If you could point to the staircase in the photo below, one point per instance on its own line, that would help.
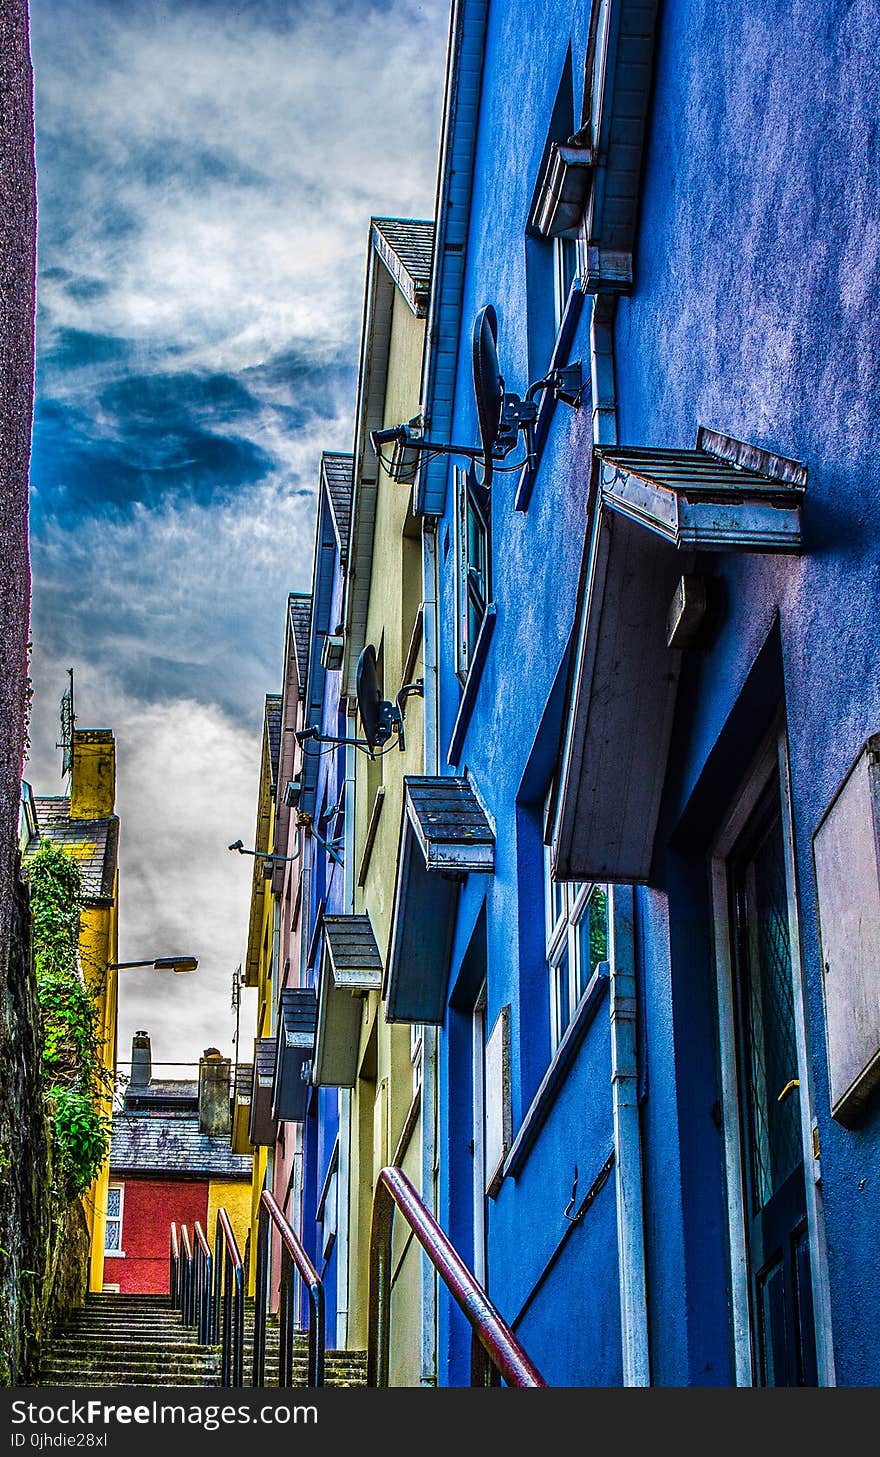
(127, 1340)
(139, 1340)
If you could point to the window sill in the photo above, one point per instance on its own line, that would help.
(114, 1254)
(548, 403)
(555, 1075)
(469, 696)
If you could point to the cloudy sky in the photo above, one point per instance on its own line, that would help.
(206, 174)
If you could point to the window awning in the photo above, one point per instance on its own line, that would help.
(561, 195)
(294, 1052)
(444, 836)
(261, 1125)
(649, 510)
(351, 966)
(241, 1108)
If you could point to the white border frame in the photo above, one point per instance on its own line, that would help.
(118, 1254)
(772, 759)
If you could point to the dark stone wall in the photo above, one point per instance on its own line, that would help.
(24, 1214)
(25, 1219)
(44, 1246)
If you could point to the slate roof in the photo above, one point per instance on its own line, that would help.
(300, 608)
(406, 247)
(159, 1092)
(172, 1145)
(273, 730)
(94, 843)
(339, 470)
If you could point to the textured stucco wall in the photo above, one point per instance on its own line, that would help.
(754, 311)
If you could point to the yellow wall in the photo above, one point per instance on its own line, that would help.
(233, 1195)
(384, 1093)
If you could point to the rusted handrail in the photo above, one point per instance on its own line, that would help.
(495, 1350)
(293, 1258)
(202, 1301)
(174, 1269)
(187, 1281)
(228, 1291)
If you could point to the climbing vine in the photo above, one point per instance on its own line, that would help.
(75, 1076)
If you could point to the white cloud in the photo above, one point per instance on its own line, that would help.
(205, 183)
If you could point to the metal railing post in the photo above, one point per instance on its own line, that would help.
(174, 1269)
(495, 1351)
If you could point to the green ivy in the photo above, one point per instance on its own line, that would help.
(75, 1076)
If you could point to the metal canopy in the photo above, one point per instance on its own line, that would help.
(241, 1108)
(261, 1124)
(351, 966)
(444, 836)
(558, 209)
(696, 499)
(294, 1052)
(648, 508)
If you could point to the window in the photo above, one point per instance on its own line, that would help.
(566, 268)
(577, 940)
(416, 1044)
(474, 541)
(113, 1226)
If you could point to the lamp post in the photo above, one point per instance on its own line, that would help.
(160, 963)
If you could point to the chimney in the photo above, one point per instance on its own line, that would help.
(93, 775)
(141, 1061)
(215, 1117)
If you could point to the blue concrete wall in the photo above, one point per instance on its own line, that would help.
(571, 1325)
(755, 312)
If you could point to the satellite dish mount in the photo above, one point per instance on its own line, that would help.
(502, 416)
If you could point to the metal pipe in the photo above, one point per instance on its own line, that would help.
(228, 1295)
(428, 1109)
(174, 1269)
(492, 1333)
(298, 1259)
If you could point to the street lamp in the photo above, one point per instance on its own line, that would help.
(161, 963)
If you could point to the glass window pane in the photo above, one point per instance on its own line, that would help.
(114, 1200)
(592, 932)
(111, 1235)
(563, 999)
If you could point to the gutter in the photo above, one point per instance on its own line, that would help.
(628, 1167)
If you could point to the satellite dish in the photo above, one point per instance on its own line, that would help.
(488, 384)
(371, 705)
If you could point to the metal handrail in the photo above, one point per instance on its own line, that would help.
(495, 1350)
(228, 1292)
(174, 1269)
(187, 1281)
(294, 1260)
(203, 1303)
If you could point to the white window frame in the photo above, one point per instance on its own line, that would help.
(109, 1219)
(566, 904)
(771, 761)
(567, 265)
(468, 575)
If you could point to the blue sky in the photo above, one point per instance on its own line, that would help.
(206, 175)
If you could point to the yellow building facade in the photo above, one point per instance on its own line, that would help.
(384, 608)
(86, 825)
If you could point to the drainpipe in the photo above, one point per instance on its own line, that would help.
(428, 1361)
(343, 1172)
(621, 919)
